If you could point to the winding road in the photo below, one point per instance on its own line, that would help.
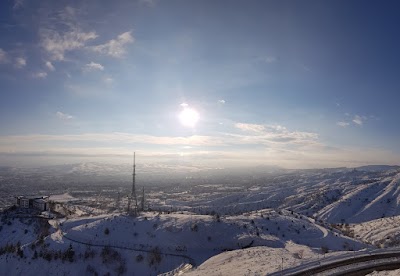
(360, 263)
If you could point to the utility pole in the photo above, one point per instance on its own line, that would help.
(142, 203)
(133, 194)
(129, 205)
(117, 204)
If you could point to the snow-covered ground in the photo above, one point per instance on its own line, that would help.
(383, 232)
(184, 238)
(385, 273)
(258, 260)
(366, 202)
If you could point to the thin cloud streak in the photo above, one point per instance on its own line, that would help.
(39, 75)
(64, 116)
(343, 124)
(93, 66)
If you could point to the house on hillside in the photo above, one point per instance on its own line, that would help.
(40, 203)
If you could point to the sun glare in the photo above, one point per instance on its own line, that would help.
(188, 116)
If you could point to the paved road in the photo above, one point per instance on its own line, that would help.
(363, 264)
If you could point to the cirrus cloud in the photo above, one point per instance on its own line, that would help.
(92, 66)
(20, 62)
(56, 44)
(343, 124)
(64, 116)
(114, 47)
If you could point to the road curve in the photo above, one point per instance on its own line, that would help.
(355, 265)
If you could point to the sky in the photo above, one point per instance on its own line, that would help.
(296, 84)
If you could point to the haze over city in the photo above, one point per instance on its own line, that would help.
(297, 84)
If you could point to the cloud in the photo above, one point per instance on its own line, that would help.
(20, 62)
(279, 147)
(343, 124)
(60, 32)
(267, 59)
(92, 66)
(149, 3)
(64, 116)
(108, 80)
(221, 101)
(3, 56)
(57, 44)
(272, 134)
(39, 75)
(18, 4)
(250, 127)
(359, 120)
(50, 66)
(114, 47)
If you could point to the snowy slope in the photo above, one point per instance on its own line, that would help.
(365, 202)
(383, 232)
(256, 260)
(201, 236)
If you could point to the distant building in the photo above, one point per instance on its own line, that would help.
(39, 203)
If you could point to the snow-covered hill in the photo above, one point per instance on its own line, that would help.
(382, 232)
(365, 202)
(178, 237)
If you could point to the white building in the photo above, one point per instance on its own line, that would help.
(38, 203)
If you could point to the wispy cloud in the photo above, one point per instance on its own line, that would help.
(305, 68)
(221, 101)
(57, 44)
(306, 154)
(250, 127)
(92, 66)
(50, 66)
(359, 120)
(56, 41)
(108, 80)
(20, 62)
(114, 47)
(39, 75)
(64, 116)
(267, 59)
(149, 3)
(3, 56)
(18, 4)
(254, 135)
(266, 134)
(343, 124)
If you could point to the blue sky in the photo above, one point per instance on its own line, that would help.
(299, 84)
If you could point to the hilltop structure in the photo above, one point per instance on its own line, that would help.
(40, 203)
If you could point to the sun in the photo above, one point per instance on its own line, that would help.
(188, 116)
